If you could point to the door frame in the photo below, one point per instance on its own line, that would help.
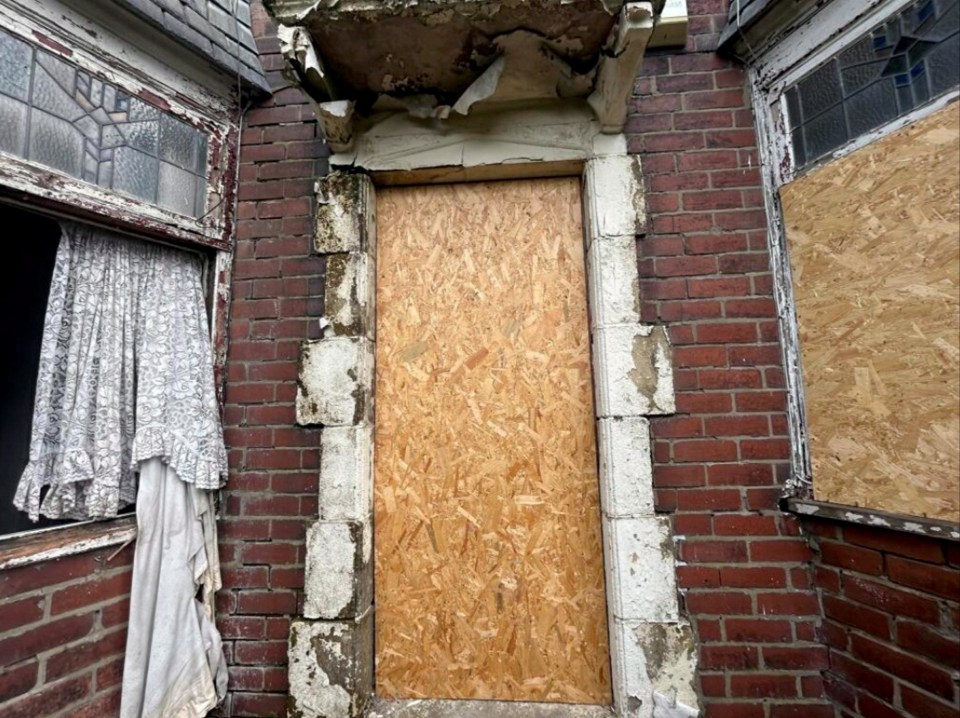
(652, 647)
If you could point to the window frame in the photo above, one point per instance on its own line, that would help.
(137, 72)
(820, 37)
(144, 62)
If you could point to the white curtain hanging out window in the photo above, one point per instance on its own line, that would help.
(126, 391)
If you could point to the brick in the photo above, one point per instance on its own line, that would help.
(918, 672)
(921, 705)
(17, 681)
(936, 580)
(719, 603)
(861, 675)
(729, 658)
(920, 548)
(944, 648)
(761, 686)
(700, 551)
(19, 614)
(892, 600)
(49, 699)
(851, 557)
(753, 576)
(802, 710)
(84, 655)
(795, 658)
(866, 619)
(756, 630)
(794, 603)
(46, 636)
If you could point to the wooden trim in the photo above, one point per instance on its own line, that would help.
(33, 547)
(872, 517)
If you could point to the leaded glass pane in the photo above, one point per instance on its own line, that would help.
(889, 72)
(15, 59)
(60, 116)
(13, 126)
(55, 143)
(178, 190)
(135, 173)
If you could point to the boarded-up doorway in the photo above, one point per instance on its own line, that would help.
(489, 564)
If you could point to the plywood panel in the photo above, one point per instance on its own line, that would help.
(489, 566)
(874, 244)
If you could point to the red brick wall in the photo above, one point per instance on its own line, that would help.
(892, 621)
(720, 461)
(63, 629)
(271, 496)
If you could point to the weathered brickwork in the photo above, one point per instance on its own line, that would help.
(720, 461)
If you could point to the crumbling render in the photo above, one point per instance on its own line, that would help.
(519, 64)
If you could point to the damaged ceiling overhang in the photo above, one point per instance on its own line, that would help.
(433, 58)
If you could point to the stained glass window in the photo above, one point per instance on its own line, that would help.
(910, 59)
(57, 115)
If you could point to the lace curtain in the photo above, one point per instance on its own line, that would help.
(126, 374)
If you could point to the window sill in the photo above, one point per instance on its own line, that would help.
(872, 517)
(52, 543)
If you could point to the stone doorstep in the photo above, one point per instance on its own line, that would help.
(383, 708)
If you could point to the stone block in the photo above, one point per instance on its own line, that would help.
(640, 568)
(614, 197)
(346, 473)
(346, 214)
(335, 386)
(331, 667)
(613, 281)
(654, 669)
(339, 569)
(350, 294)
(626, 467)
(634, 371)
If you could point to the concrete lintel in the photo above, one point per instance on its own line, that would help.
(633, 371)
(335, 386)
(626, 467)
(338, 583)
(331, 667)
(346, 473)
(346, 214)
(613, 281)
(350, 294)
(614, 203)
(618, 71)
(640, 568)
(560, 132)
(654, 669)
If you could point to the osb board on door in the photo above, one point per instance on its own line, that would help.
(874, 241)
(489, 563)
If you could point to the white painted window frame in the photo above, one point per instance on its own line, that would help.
(61, 30)
(96, 37)
(835, 27)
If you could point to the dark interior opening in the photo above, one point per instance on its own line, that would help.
(30, 249)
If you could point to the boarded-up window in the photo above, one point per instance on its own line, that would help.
(874, 244)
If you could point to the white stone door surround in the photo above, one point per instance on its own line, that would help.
(653, 652)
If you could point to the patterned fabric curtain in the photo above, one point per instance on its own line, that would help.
(126, 374)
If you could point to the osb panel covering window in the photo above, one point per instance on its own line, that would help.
(489, 566)
(874, 241)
